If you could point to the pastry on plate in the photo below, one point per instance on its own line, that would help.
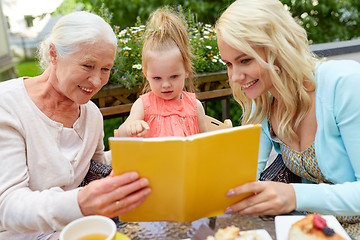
(312, 227)
(228, 233)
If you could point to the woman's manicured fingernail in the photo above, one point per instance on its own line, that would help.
(228, 211)
(134, 176)
(144, 182)
(230, 193)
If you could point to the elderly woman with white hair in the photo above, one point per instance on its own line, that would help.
(50, 130)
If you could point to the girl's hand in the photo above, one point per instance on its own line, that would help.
(270, 198)
(113, 195)
(137, 128)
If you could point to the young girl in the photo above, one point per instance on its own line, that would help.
(166, 109)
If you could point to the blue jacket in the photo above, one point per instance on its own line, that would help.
(337, 142)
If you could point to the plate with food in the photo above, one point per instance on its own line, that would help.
(311, 226)
(234, 233)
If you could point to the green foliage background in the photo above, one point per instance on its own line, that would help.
(324, 20)
(327, 20)
(29, 68)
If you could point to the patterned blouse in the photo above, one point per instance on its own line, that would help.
(304, 164)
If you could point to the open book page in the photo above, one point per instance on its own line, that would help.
(157, 163)
(189, 176)
(223, 161)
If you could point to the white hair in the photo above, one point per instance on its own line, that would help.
(72, 31)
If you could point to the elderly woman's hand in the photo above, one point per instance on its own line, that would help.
(269, 198)
(113, 195)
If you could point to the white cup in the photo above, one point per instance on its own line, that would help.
(86, 226)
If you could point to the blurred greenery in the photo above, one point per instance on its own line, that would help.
(325, 21)
(214, 110)
(109, 126)
(126, 12)
(29, 68)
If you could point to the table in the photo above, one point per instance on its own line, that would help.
(176, 231)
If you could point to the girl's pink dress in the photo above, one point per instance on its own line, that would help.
(170, 117)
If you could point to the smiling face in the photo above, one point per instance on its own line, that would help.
(166, 73)
(82, 74)
(245, 71)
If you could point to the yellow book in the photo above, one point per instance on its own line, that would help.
(189, 176)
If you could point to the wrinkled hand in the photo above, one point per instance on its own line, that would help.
(137, 128)
(269, 198)
(113, 195)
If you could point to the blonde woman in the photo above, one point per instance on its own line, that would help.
(309, 111)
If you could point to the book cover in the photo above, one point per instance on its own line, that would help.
(189, 176)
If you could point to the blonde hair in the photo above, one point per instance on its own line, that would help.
(165, 30)
(266, 23)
